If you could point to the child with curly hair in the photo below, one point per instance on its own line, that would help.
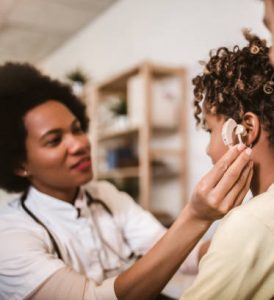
(238, 84)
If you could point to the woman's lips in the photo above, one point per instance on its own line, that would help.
(86, 164)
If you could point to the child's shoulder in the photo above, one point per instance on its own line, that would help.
(256, 213)
(261, 206)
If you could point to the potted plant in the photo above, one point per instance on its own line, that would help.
(78, 79)
(118, 108)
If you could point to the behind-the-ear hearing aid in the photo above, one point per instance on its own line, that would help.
(229, 127)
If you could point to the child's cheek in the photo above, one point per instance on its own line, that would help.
(219, 149)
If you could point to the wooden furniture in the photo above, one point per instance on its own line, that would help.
(141, 134)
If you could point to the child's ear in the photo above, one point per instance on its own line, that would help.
(252, 124)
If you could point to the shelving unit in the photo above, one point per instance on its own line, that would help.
(107, 135)
(142, 133)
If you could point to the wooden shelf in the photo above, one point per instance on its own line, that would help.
(160, 153)
(167, 175)
(142, 136)
(112, 134)
(117, 83)
(126, 172)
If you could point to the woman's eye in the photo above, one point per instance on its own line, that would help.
(53, 142)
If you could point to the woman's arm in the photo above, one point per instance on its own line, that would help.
(67, 284)
(223, 188)
(220, 190)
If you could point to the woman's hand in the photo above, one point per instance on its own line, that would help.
(220, 190)
(224, 186)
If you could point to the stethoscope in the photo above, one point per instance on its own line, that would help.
(104, 243)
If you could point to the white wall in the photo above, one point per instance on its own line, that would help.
(167, 31)
(171, 31)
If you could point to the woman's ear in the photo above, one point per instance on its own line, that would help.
(252, 124)
(22, 171)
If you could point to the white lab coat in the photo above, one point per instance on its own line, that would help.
(94, 243)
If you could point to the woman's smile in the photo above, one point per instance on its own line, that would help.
(83, 164)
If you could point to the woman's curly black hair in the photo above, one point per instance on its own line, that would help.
(238, 81)
(23, 87)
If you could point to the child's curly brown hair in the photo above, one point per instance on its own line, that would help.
(238, 81)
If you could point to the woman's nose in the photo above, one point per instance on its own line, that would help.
(77, 143)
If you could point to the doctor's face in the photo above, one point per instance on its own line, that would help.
(58, 151)
(213, 125)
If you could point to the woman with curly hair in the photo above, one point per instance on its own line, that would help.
(65, 239)
(239, 84)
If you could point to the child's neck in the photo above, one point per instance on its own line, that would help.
(263, 172)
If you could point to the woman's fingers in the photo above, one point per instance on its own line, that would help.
(232, 178)
(224, 186)
(217, 172)
(238, 190)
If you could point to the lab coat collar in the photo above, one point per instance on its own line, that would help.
(271, 188)
(48, 205)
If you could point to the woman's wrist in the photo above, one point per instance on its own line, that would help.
(190, 215)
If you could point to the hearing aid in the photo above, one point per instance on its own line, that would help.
(240, 131)
(229, 127)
